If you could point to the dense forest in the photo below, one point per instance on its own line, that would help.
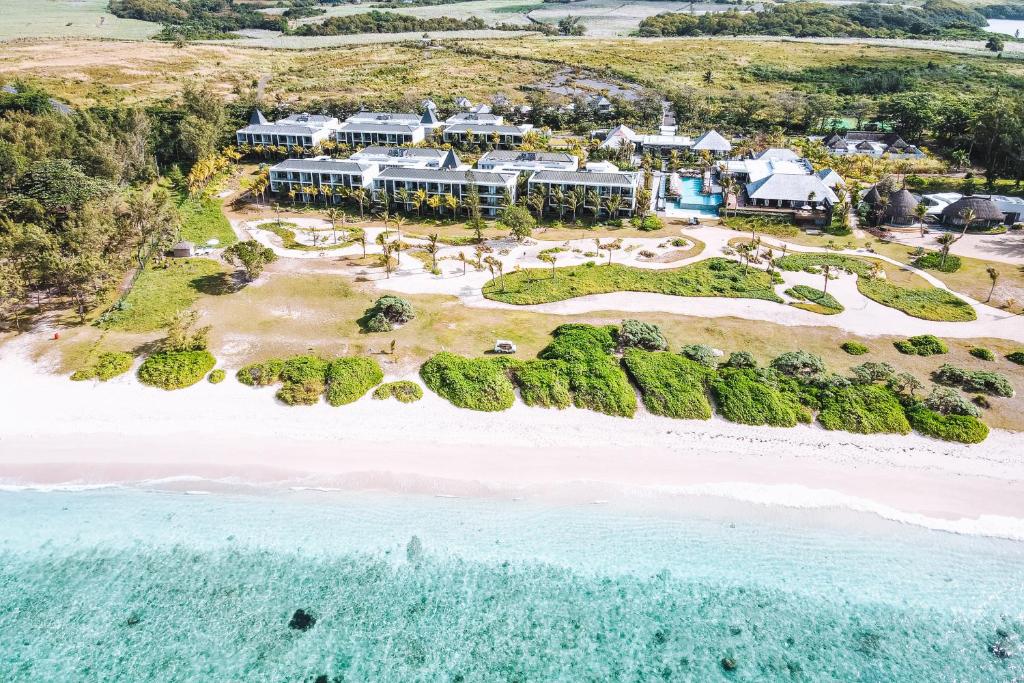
(196, 19)
(934, 19)
(386, 22)
(1002, 11)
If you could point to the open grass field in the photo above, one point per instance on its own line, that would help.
(68, 18)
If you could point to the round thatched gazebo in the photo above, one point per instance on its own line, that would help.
(872, 197)
(986, 213)
(900, 210)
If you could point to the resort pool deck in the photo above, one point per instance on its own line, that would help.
(692, 201)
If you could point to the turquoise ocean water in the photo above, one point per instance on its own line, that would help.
(134, 585)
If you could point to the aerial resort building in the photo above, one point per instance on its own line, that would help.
(297, 130)
(873, 144)
(409, 157)
(1011, 208)
(713, 143)
(413, 188)
(779, 180)
(498, 136)
(308, 180)
(980, 211)
(601, 189)
(513, 161)
(361, 134)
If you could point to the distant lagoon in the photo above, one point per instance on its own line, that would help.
(1007, 26)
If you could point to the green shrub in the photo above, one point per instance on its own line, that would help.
(402, 391)
(217, 376)
(959, 428)
(378, 323)
(820, 301)
(862, 409)
(1016, 357)
(641, 335)
(871, 372)
(922, 345)
(671, 385)
(974, 380)
(700, 353)
(799, 364)
(595, 379)
(350, 378)
(758, 397)
(740, 359)
(108, 365)
(387, 312)
(474, 383)
(933, 260)
(649, 223)
(854, 348)
(982, 353)
(175, 369)
(946, 401)
(542, 383)
(304, 380)
(261, 374)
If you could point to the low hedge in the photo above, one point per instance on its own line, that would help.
(474, 383)
(854, 348)
(982, 353)
(216, 377)
(862, 409)
(670, 384)
(1016, 357)
(107, 366)
(974, 380)
(175, 369)
(304, 380)
(348, 379)
(758, 397)
(542, 383)
(261, 374)
(594, 377)
(921, 345)
(959, 428)
(402, 391)
(933, 261)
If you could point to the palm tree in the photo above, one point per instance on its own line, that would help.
(399, 221)
(451, 203)
(432, 249)
(536, 202)
(827, 270)
(558, 198)
(613, 204)
(921, 210)
(572, 201)
(402, 195)
(549, 258)
(334, 215)
(434, 202)
(945, 240)
(968, 216)
(462, 257)
(993, 275)
(419, 198)
(593, 199)
(386, 257)
(361, 238)
(361, 198)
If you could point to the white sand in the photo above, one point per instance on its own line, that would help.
(54, 432)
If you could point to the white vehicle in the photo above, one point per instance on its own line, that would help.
(504, 346)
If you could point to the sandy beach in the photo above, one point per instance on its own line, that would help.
(56, 433)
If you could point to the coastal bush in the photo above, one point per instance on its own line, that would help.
(740, 359)
(304, 380)
(641, 335)
(387, 312)
(474, 383)
(350, 378)
(982, 353)
(670, 385)
(402, 391)
(261, 374)
(542, 383)
(217, 376)
(974, 380)
(862, 409)
(595, 379)
(948, 401)
(933, 260)
(818, 301)
(871, 372)
(758, 397)
(959, 428)
(108, 365)
(798, 364)
(922, 345)
(700, 353)
(175, 369)
(708, 278)
(854, 348)
(1016, 357)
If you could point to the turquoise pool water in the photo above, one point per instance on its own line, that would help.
(136, 585)
(692, 198)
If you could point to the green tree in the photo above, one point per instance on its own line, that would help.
(252, 256)
(518, 221)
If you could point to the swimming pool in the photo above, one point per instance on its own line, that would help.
(692, 197)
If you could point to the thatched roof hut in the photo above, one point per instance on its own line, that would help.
(900, 210)
(986, 213)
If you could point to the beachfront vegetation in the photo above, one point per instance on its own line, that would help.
(854, 348)
(202, 219)
(928, 303)
(815, 300)
(541, 383)
(474, 383)
(387, 313)
(862, 409)
(640, 335)
(922, 345)
(402, 391)
(758, 396)
(195, 19)
(700, 353)
(107, 365)
(981, 353)
(670, 384)
(799, 364)
(304, 379)
(974, 380)
(711, 277)
(217, 376)
(593, 375)
(175, 369)
(960, 428)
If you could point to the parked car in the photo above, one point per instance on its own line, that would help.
(504, 346)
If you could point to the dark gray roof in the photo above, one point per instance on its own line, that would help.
(516, 155)
(984, 209)
(279, 129)
(319, 165)
(450, 160)
(872, 196)
(403, 152)
(901, 204)
(624, 179)
(256, 118)
(376, 128)
(483, 129)
(430, 117)
(443, 176)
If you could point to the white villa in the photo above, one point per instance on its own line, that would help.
(780, 179)
(403, 184)
(598, 181)
(499, 135)
(409, 157)
(513, 161)
(666, 141)
(871, 144)
(306, 177)
(297, 130)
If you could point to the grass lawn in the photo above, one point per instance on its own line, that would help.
(927, 303)
(712, 277)
(161, 292)
(815, 300)
(202, 219)
(286, 231)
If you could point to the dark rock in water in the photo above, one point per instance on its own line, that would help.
(1000, 650)
(729, 664)
(134, 620)
(302, 620)
(322, 678)
(735, 630)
